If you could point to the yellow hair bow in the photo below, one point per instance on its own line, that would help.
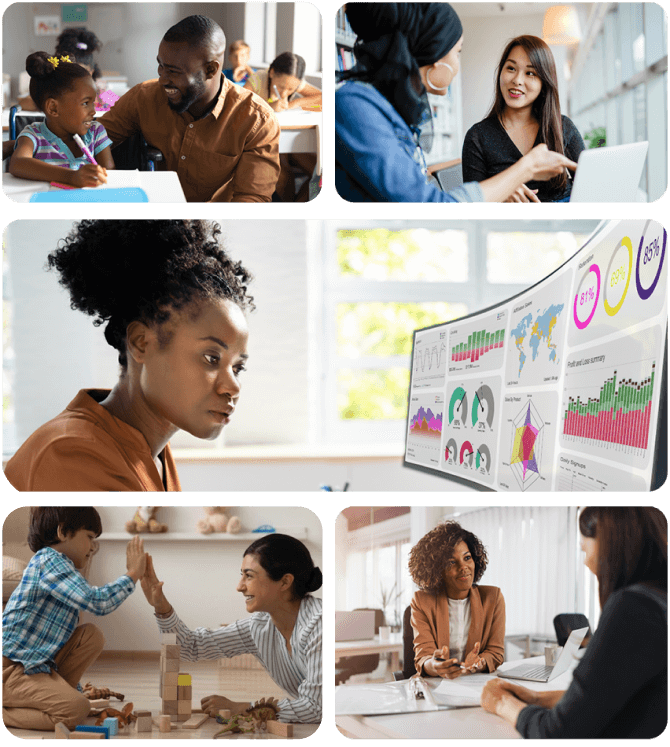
(55, 61)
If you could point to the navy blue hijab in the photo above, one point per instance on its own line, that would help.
(394, 40)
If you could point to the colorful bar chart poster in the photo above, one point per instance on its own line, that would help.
(478, 344)
(561, 386)
(425, 429)
(609, 399)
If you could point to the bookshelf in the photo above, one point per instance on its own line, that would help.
(344, 42)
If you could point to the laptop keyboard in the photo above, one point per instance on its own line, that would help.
(538, 672)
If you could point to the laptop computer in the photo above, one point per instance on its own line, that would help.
(542, 673)
(357, 625)
(610, 174)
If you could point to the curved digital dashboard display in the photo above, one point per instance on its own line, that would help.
(558, 388)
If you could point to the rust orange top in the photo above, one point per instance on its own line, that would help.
(85, 447)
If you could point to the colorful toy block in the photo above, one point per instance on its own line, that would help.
(94, 730)
(174, 687)
(112, 723)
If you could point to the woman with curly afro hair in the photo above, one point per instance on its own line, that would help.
(173, 304)
(459, 626)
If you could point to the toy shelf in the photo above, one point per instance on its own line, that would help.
(297, 532)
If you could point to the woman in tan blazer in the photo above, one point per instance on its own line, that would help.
(459, 626)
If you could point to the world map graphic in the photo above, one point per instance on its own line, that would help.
(533, 336)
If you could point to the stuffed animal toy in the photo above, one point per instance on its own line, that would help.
(217, 521)
(145, 521)
(126, 716)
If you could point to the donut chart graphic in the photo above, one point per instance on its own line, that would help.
(450, 451)
(458, 406)
(483, 459)
(586, 298)
(467, 454)
(618, 277)
(650, 252)
(483, 406)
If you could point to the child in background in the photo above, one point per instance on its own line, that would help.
(238, 56)
(47, 151)
(44, 652)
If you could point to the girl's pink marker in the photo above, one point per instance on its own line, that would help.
(84, 149)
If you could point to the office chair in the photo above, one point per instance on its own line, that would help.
(408, 668)
(350, 665)
(566, 622)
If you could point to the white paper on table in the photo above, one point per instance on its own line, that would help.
(464, 691)
(117, 179)
(378, 700)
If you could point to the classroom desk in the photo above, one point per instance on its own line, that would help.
(452, 723)
(300, 133)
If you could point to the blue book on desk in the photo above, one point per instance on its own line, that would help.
(102, 194)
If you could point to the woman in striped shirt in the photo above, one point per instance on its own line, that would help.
(283, 631)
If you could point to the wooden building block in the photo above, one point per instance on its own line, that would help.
(224, 713)
(62, 732)
(182, 717)
(143, 723)
(170, 679)
(196, 721)
(168, 639)
(142, 713)
(164, 724)
(169, 692)
(99, 703)
(171, 652)
(170, 707)
(184, 706)
(280, 729)
(184, 679)
(169, 665)
(184, 692)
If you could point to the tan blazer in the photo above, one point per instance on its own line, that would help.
(430, 621)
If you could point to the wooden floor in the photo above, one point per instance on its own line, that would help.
(138, 681)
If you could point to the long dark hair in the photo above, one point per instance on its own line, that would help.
(287, 63)
(546, 107)
(279, 554)
(632, 546)
(45, 521)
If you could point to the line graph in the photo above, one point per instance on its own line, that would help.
(430, 358)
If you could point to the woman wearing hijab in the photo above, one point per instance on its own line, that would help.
(383, 117)
(619, 689)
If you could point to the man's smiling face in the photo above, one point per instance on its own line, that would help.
(178, 71)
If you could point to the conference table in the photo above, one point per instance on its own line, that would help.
(393, 645)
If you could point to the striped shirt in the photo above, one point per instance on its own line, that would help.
(43, 611)
(298, 673)
(51, 149)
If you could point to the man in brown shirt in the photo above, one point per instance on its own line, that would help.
(222, 140)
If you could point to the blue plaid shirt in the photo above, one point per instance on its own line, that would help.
(43, 611)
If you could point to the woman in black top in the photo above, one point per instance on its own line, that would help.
(620, 687)
(525, 113)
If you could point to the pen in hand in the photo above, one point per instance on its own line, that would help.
(84, 149)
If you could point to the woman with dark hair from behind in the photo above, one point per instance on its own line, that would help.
(173, 304)
(620, 686)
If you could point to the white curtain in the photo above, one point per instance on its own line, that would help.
(534, 558)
